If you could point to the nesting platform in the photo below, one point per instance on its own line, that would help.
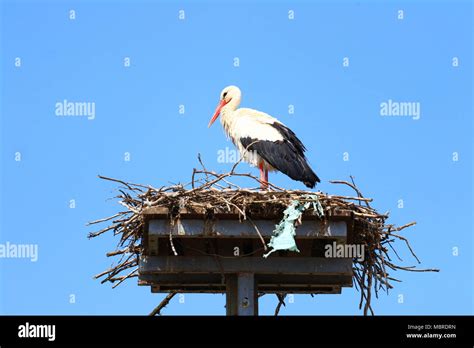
(221, 253)
(209, 236)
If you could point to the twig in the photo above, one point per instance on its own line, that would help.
(163, 304)
(281, 301)
(259, 234)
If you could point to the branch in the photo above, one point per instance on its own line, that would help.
(163, 304)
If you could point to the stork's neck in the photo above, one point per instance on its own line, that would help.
(229, 108)
(228, 115)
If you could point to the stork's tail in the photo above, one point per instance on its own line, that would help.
(309, 177)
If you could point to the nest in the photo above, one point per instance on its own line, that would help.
(219, 193)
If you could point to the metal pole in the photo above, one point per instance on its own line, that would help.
(241, 294)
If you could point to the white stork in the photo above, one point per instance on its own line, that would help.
(262, 140)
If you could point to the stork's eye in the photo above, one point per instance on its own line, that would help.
(223, 96)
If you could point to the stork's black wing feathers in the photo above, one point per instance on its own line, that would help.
(285, 155)
(289, 135)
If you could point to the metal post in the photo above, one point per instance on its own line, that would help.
(241, 294)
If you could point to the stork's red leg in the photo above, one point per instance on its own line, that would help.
(266, 178)
(263, 181)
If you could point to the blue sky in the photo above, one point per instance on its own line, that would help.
(425, 162)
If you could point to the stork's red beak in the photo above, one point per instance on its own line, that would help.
(222, 103)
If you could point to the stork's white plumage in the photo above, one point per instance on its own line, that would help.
(262, 140)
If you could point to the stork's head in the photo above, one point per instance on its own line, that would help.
(228, 95)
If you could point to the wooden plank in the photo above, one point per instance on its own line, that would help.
(257, 265)
(152, 245)
(263, 280)
(184, 288)
(231, 228)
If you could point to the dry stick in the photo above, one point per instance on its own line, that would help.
(369, 290)
(406, 242)
(222, 176)
(231, 184)
(129, 184)
(242, 156)
(129, 207)
(95, 234)
(194, 170)
(404, 226)
(121, 277)
(118, 252)
(355, 275)
(116, 270)
(217, 176)
(384, 271)
(362, 288)
(107, 218)
(192, 178)
(367, 215)
(352, 198)
(171, 242)
(235, 206)
(348, 184)
(259, 234)
(202, 164)
(103, 273)
(130, 261)
(412, 268)
(393, 249)
(125, 277)
(358, 192)
(370, 278)
(119, 181)
(163, 304)
(281, 301)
